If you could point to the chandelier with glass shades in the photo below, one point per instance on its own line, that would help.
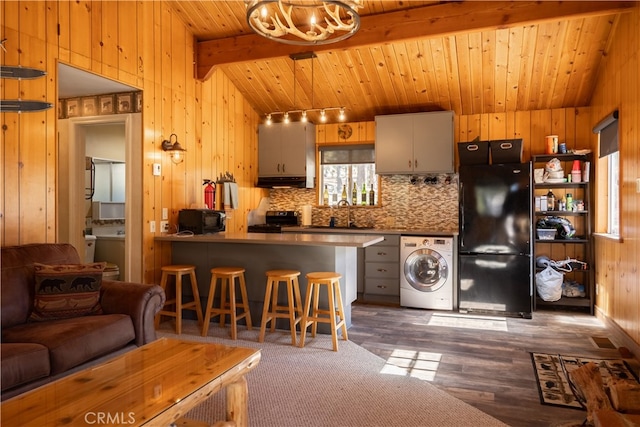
(301, 114)
(304, 22)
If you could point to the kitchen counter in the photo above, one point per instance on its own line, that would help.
(307, 239)
(259, 252)
(320, 229)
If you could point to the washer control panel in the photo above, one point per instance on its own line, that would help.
(444, 244)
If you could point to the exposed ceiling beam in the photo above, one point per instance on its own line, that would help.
(423, 22)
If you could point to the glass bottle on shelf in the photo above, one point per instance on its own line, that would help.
(344, 192)
(364, 195)
(372, 197)
(569, 202)
(551, 201)
(354, 195)
(325, 196)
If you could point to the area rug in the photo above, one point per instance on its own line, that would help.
(552, 376)
(315, 386)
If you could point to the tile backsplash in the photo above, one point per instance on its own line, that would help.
(421, 202)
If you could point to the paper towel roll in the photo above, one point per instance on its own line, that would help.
(306, 215)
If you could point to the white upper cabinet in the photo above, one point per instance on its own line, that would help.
(286, 150)
(415, 143)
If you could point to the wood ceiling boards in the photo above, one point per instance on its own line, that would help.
(470, 57)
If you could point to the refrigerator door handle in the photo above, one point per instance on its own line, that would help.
(461, 215)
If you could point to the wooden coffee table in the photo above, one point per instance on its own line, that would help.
(153, 385)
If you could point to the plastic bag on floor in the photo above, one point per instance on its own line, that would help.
(549, 284)
(573, 289)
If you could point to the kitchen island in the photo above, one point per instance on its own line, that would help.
(259, 252)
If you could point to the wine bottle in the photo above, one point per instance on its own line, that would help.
(372, 197)
(344, 192)
(364, 195)
(325, 196)
(551, 201)
(354, 195)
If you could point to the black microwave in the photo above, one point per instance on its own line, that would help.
(201, 221)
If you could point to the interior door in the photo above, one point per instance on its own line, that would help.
(71, 203)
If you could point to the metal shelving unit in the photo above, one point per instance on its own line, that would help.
(579, 247)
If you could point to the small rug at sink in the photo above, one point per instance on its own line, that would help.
(552, 376)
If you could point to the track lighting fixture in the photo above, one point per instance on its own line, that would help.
(303, 113)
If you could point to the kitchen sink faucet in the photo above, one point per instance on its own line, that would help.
(344, 202)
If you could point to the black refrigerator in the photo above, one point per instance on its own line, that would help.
(494, 246)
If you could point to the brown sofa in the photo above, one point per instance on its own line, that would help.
(33, 353)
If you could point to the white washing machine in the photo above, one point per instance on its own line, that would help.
(427, 272)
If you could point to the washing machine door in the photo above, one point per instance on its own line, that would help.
(426, 270)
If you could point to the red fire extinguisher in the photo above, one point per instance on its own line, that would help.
(209, 194)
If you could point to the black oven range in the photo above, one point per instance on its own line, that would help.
(275, 220)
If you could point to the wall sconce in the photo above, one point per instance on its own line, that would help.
(175, 150)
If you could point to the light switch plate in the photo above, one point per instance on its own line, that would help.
(164, 226)
(165, 213)
(637, 185)
(156, 169)
(152, 226)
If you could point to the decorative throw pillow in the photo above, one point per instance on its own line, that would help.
(67, 290)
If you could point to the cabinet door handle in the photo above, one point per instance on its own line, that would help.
(381, 287)
(415, 163)
(409, 162)
(283, 168)
(278, 167)
(382, 270)
(382, 253)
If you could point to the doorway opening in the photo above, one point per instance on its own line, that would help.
(121, 155)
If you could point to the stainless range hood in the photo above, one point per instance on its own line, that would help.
(284, 182)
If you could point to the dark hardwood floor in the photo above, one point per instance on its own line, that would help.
(485, 361)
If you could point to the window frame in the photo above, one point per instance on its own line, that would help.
(349, 178)
(613, 194)
(609, 150)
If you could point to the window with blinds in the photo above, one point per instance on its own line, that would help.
(607, 129)
(348, 172)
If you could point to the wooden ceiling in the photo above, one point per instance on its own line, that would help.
(471, 57)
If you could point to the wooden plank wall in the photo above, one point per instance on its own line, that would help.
(572, 125)
(28, 168)
(143, 44)
(217, 126)
(617, 261)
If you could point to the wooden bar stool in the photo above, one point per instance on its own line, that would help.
(272, 311)
(332, 281)
(227, 277)
(178, 271)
